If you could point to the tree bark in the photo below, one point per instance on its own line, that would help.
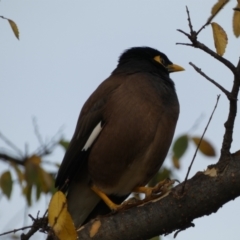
(203, 194)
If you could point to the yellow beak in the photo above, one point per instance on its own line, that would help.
(174, 68)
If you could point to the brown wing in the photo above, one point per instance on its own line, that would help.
(90, 116)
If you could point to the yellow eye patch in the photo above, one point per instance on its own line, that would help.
(159, 60)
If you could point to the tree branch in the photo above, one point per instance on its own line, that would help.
(10, 144)
(229, 124)
(38, 224)
(227, 93)
(204, 194)
(42, 151)
(8, 158)
(195, 43)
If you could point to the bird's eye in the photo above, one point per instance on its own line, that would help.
(160, 60)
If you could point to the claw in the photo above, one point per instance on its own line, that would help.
(153, 192)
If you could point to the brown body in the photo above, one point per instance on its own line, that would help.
(139, 132)
(138, 109)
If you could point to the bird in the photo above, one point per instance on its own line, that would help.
(122, 136)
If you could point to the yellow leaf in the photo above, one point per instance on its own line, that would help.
(32, 177)
(45, 180)
(220, 38)
(236, 22)
(32, 166)
(35, 159)
(175, 161)
(14, 28)
(59, 218)
(205, 147)
(218, 6)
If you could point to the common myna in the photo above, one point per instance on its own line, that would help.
(123, 134)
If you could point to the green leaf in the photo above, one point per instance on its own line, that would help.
(27, 191)
(64, 144)
(180, 146)
(38, 191)
(6, 183)
(205, 147)
(19, 173)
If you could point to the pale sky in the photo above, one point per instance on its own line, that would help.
(67, 48)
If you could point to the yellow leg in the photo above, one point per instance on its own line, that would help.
(105, 198)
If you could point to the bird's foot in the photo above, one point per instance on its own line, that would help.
(154, 192)
(162, 187)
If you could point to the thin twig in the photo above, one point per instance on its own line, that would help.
(189, 22)
(44, 215)
(10, 144)
(3, 17)
(47, 148)
(32, 218)
(8, 158)
(36, 130)
(186, 34)
(212, 16)
(228, 94)
(194, 156)
(186, 44)
(236, 9)
(41, 151)
(15, 230)
(196, 123)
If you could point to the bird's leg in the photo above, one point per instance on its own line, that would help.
(113, 206)
(105, 198)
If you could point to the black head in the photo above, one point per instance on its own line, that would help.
(150, 55)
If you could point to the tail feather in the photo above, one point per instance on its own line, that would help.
(81, 201)
(84, 204)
